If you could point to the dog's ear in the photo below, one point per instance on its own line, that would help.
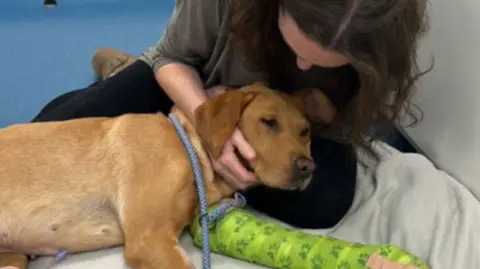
(217, 118)
(317, 105)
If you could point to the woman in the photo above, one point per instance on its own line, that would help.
(360, 52)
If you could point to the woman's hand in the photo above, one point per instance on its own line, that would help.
(215, 90)
(228, 165)
(379, 262)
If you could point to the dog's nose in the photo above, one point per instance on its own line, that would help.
(303, 167)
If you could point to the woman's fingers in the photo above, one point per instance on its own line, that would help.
(245, 149)
(227, 176)
(229, 166)
(231, 163)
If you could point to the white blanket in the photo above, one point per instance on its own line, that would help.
(403, 200)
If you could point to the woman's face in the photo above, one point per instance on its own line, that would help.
(308, 51)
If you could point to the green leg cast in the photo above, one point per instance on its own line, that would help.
(242, 235)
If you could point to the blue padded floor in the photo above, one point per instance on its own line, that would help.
(45, 52)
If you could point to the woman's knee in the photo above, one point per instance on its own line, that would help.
(327, 199)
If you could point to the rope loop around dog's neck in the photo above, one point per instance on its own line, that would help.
(217, 213)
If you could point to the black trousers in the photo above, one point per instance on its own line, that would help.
(134, 90)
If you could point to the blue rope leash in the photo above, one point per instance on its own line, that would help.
(214, 215)
(61, 255)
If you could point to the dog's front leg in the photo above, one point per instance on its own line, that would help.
(15, 260)
(153, 213)
(155, 249)
(151, 223)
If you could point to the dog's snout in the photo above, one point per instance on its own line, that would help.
(303, 167)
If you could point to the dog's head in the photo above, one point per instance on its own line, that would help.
(276, 126)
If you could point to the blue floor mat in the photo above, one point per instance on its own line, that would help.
(45, 52)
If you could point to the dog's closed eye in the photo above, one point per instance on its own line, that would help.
(271, 123)
(305, 132)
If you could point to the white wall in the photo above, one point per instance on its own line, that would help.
(450, 94)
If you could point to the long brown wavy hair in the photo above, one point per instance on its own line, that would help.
(378, 37)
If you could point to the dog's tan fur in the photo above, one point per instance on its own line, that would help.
(93, 183)
(16, 260)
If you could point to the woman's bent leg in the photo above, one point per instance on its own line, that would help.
(133, 90)
(328, 198)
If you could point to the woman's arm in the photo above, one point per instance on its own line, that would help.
(183, 85)
(184, 47)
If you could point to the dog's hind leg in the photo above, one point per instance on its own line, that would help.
(15, 260)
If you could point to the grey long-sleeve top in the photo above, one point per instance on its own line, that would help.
(197, 35)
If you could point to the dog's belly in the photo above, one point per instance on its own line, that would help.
(46, 230)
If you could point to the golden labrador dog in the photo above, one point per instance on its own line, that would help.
(94, 183)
